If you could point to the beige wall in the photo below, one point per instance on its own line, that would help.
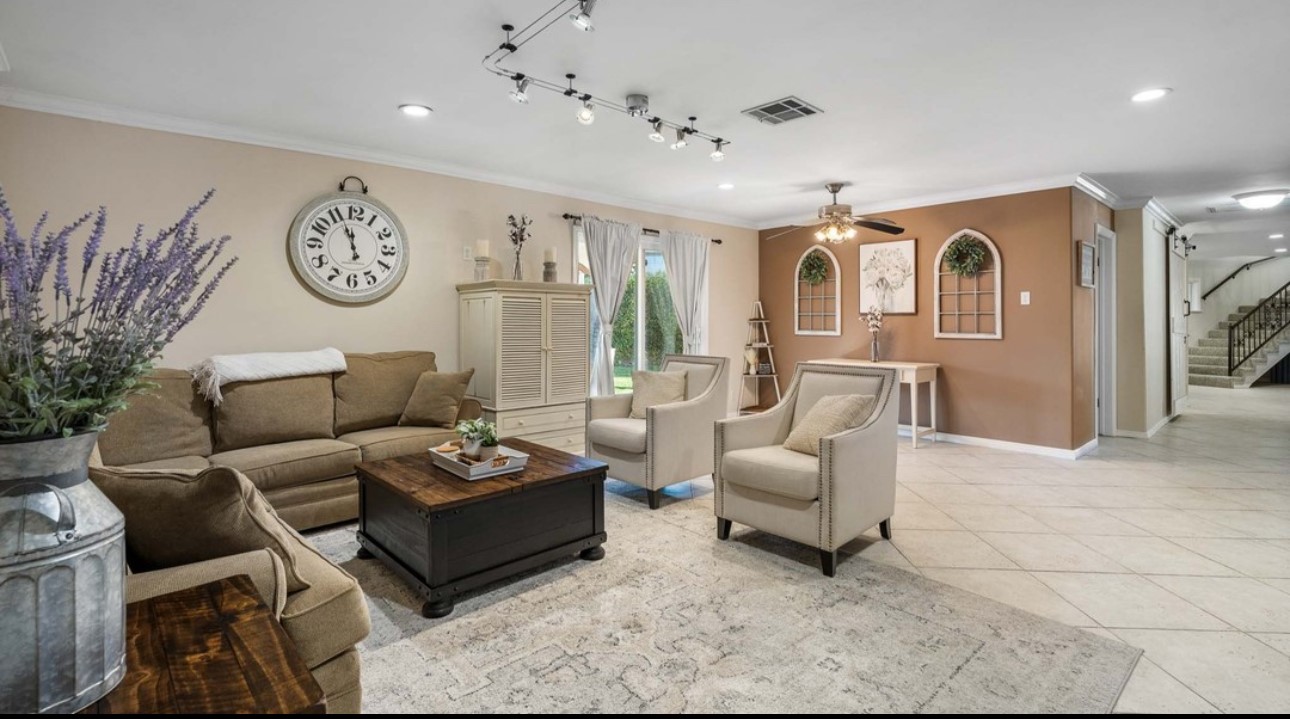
(1024, 388)
(1142, 324)
(69, 166)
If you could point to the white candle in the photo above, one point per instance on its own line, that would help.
(548, 255)
(481, 248)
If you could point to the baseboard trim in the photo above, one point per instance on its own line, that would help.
(1039, 449)
(1133, 434)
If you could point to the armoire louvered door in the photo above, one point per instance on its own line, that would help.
(521, 346)
(568, 364)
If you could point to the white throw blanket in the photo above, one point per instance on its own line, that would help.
(218, 370)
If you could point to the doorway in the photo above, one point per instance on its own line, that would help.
(1104, 341)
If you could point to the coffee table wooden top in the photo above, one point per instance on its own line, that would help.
(417, 477)
(211, 649)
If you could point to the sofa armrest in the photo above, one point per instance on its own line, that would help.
(262, 565)
(859, 473)
(610, 406)
(680, 436)
(753, 430)
(469, 409)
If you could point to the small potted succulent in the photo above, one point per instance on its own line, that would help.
(479, 439)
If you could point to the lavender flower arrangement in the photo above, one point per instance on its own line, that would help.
(65, 367)
(519, 234)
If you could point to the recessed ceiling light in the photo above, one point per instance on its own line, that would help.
(1262, 199)
(415, 110)
(1281, 249)
(726, 186)
(1277, 236)
(1152, 93)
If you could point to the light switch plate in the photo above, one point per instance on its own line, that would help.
(467, 253)
(1025, 298)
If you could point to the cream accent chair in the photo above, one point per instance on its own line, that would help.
(823, 501)
(673, 443)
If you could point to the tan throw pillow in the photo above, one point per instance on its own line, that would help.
(436, 399)
(650, 389)
(177, 517)
(830, 415)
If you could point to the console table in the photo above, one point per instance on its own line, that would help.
(912, 374)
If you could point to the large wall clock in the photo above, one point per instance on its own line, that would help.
(349, 247)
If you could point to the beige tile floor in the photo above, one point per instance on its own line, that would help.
(1179, 545)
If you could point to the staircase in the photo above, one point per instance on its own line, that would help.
(1266, 324)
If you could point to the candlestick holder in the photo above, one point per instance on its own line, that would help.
(548, 272)
(481, 269)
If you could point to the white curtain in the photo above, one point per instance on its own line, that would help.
(611, 251)
(686, 257)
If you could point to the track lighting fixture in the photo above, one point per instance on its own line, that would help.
(717, 153)
(521, 85)
(656, 134)
(581, 18)
(586, 114)
(680, 139)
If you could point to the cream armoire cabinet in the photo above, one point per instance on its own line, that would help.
(529, 344)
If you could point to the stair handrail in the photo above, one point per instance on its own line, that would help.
(1235, 272)
(1267, 320)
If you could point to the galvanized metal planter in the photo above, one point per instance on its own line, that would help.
(62, 579)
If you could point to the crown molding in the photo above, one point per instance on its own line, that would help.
(945, 198)
(118, 115)
(4, 61)
(1151, 206)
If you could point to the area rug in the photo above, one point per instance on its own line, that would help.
(672, 620)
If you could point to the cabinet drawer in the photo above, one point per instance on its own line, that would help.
(566, 417)
(573, 442)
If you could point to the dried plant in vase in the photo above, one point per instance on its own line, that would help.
(519, 234)
(874, 319)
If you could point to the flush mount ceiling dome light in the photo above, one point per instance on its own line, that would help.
(1151, 93)
(415, 110)
(1276, 236)
(1261, 199)
(636, 104)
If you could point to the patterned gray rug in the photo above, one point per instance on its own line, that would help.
(674, 621)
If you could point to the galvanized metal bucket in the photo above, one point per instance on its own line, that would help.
(62, 579)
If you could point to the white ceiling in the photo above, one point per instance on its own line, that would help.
(921, 99)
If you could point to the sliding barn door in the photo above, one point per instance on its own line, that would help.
(1178, 369)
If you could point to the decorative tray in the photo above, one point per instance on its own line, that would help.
(507, 461)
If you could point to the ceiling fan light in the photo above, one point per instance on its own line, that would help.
(1262, 199)
(656, 133)
(586, 114)
(819, 235)
(850, 233)
(582, 18)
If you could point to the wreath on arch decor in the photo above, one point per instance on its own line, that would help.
(814, 268)
(965, 255)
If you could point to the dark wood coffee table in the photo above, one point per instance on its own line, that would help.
(211, 649)
(446, 535)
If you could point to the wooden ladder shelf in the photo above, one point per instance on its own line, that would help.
(759, 355)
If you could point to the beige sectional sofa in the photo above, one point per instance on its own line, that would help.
(297, 439)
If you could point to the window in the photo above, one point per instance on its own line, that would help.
(647, 329)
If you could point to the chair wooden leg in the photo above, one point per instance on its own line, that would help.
(723, 528)
(885, 528)
(829, 562)
(654, 497)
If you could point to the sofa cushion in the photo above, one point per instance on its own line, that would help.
(318, 504)
(180, 517)
(374, 389)
(623, 433)
(650, 389)
(775, 470)
(828, 416)
(330, 616)
(290, 463)
(274, 410)
(436, 399)
(170, 420)
(188, 462)
(385, 442)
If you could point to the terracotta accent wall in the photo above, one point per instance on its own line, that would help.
(69, 166)
(1024, 388)
(1086, 214)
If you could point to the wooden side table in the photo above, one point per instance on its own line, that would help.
(211, 649)
(909, 373)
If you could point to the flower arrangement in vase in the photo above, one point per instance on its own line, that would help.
(479, 438)
(874, 319)
(519, 234)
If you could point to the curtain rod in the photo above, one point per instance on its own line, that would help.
(646, 230)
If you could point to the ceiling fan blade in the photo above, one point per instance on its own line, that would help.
(878, 224)
(794, 228)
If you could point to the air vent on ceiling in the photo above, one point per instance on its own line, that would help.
(781, 111)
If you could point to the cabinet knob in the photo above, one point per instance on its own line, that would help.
(520, 422)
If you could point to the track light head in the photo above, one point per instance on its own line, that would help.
(587, 113)
(718, 154)
(680, 139)
(581, 18)
(519, 94)
(656, 134)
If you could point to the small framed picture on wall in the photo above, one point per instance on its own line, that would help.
(889, 277)
(1087, 264)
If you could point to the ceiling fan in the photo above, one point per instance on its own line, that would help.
(837, 224)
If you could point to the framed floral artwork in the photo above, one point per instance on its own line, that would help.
(889, 277)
